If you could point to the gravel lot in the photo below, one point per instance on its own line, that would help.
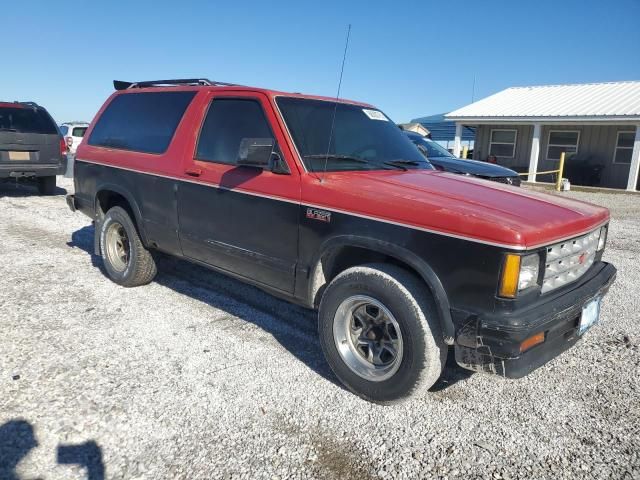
(199, 376)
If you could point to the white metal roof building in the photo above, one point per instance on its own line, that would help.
(596, 124)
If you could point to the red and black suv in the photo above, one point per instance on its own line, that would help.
(328, 204)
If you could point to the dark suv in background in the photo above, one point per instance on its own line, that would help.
(31, 145)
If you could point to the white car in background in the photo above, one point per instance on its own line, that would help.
(73, 133)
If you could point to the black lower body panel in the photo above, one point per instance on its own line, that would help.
(492, 342)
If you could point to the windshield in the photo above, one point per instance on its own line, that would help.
(362, 138)
(432, 148)
(26, 120)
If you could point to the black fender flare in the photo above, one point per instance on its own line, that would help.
(137, 213)
(393, 250)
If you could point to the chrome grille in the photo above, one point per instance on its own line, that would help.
(569, 260)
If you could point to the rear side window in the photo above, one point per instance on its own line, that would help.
(64, 129)
(142, 122)
(26, 120)
(78, 132)
(228, 121)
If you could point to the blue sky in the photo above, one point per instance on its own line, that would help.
(408, 58)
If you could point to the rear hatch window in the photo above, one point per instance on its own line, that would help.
(78, 132)
(26, 120)
(27, 135)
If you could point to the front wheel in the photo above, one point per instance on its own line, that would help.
(126, 260)
(380, 333)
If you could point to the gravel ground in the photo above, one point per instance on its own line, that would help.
(199, 376)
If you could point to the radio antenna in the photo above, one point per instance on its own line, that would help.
(335, 107)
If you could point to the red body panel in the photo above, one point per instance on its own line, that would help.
(454, 205)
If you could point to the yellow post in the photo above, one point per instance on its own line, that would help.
(465, 150)
(560, 170)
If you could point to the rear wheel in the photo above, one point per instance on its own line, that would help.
(126, 260)
(46, 185)
(380, 333)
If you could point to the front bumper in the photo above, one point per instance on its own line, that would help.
(491, 342)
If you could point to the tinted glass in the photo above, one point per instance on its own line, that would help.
(362, 139)
(563, 138)
(64, 129)
(78, 131)
(432, 148)
(625, 139)
(143, 122)
(503, 136)
(26, 120)
(554, 152)
(228, 121)
(501, 149)
(623, 155)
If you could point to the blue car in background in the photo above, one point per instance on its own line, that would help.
(441, 159)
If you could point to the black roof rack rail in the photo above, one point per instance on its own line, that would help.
(122, 85)
(29, 104)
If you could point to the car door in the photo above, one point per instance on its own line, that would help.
(240, 219)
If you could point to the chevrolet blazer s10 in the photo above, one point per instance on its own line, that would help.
(328, 204)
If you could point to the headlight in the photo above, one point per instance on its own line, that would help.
(519, 273)
(602, 241)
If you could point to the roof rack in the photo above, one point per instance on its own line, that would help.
(28, 104)
(122, 85)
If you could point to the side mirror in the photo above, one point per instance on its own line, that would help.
(423, 150)
(255, 152)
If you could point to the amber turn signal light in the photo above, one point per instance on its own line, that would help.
(510, 274)
(532, 341)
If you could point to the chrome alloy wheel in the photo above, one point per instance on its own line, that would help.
(368, 338)
(117, 246)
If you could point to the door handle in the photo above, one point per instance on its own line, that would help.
(193, 172)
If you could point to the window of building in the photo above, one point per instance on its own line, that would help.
(228, 121)
(624, 147)
(562, 141)
(141, 122)
(503, 143)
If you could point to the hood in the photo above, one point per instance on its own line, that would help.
(459, 206)
(472, 167)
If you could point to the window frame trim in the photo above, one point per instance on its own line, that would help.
(254, 98)
(616, 147)
(513, 144)
(549, 144)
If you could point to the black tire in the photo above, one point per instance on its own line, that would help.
(140, 267)
(46, 185)
(407, 298)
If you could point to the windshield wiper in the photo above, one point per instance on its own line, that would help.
(337, 157)
(402, 163)
(7, 129)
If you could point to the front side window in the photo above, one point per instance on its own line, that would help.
(228, 121)
(142, 122)
(562, 141)
(624, 147)
(503, 143)
(361, 138)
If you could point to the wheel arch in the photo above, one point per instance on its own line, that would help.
(109, 195)
(346, 251)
